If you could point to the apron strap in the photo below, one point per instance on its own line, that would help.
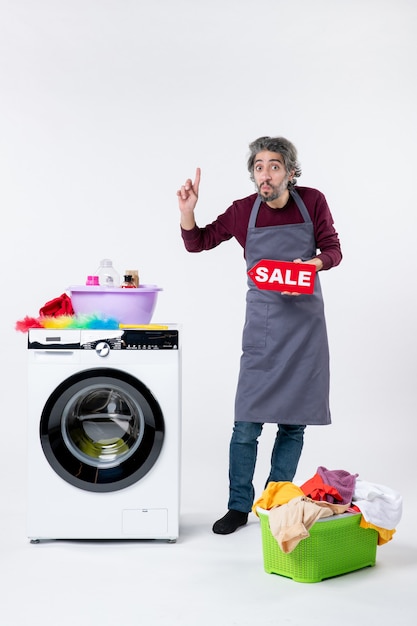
(297, 199)
(254, 212)
(300, 203)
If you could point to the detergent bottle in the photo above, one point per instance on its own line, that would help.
(107, 275)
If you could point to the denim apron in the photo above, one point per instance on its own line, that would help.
(284, 367)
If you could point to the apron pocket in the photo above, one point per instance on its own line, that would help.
(254, 330)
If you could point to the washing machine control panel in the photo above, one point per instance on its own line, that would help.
(134, 340)
(103, 341)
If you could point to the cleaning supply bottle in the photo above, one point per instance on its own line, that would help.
(108, 276)
(135, 276)
(92, 281)
(128, 282)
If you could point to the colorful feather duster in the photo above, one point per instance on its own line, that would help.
(58, 313)
(90, 321)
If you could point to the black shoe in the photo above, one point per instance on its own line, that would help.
(230, 522)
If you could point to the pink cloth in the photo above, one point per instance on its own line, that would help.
(341, 480)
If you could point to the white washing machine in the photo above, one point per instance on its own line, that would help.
(104, 432)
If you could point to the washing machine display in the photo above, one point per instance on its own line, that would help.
(104, 422)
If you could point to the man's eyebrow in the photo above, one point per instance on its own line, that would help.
(269, 161)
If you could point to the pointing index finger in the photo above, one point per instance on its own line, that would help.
(197, 179)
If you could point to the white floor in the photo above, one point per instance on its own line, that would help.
(202, 579)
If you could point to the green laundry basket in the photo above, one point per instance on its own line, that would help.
(336, 546)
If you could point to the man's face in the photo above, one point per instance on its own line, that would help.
(270, 175)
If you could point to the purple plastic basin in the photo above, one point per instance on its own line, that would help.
(127, 306)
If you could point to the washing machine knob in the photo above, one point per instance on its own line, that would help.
(102, 348)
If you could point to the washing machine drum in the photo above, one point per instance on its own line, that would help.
(102, 430)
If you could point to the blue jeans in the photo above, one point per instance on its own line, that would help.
(242, 459)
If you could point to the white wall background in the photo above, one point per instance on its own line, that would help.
(106, 106)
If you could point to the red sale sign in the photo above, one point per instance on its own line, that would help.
(283, 276)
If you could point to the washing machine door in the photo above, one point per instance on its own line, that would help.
(102, 430)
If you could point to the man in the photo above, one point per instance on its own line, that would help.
(284, 368)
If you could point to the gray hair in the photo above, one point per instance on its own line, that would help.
(276, 144)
